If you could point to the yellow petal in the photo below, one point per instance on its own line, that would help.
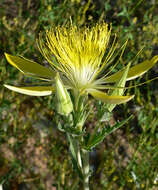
(134, 71)
(33, 90)
(109, 99)
(30, 68)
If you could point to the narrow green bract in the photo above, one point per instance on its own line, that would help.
(64, 104)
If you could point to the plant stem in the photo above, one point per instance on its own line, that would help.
(85, 169)
(81, 157)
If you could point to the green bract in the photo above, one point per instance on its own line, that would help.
(64, 104)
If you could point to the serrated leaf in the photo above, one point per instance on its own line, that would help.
(30, 68)
(134, 71)
(33, 90)
(116, 99)
(98, 137)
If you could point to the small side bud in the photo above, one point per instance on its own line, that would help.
(64, 104)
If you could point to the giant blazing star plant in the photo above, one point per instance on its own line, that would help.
(81, 64)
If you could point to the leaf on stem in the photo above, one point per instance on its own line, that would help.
(98, 137)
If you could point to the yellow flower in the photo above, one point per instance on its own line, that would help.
(79, 54)
(81, 57)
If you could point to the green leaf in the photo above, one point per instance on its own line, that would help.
(98, 137)
(134, 71)
(120, 83)
(30, 68)
(106, 115)
(33, 90)
(60, 127)
(74, 131)
(116, 99)
(70, 130)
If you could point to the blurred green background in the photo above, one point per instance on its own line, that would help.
(33, 153)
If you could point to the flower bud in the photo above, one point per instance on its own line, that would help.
(64, 104)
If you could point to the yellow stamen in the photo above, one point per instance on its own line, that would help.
(79, 52)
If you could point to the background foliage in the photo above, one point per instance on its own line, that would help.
(33, 153)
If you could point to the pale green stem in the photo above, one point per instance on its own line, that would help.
(75, 149)
(82, 159)
(79, 159)
(85, 169)
(81, 156)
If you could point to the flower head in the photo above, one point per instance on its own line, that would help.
(80, 56)
(79, 53)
